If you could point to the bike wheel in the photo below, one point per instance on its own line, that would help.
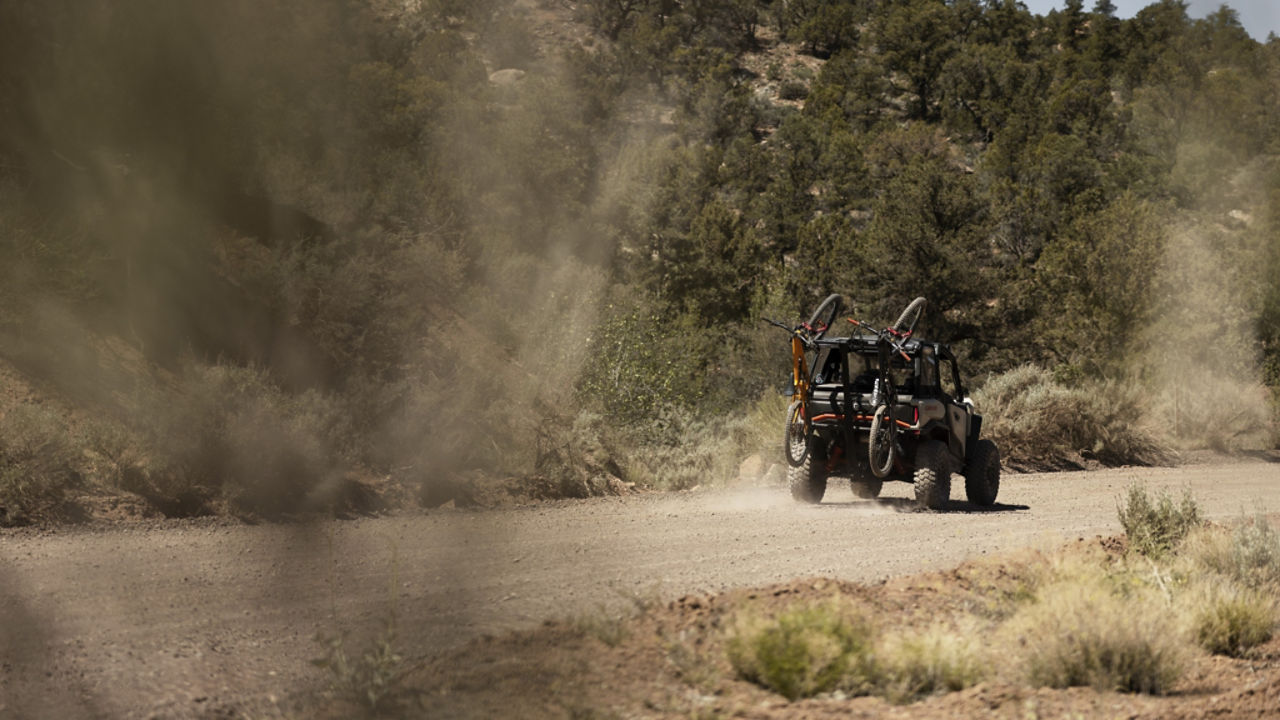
(826, 314)
(882, 443)
(911, 316)
(796, 444)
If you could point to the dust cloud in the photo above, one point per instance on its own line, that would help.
(318, 219)
(271, 252)
(1201, 353)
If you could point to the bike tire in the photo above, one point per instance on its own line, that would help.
(795, 444)
(882, 442)
(826, 313)
(910, 317)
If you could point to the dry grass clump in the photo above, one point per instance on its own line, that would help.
(1249, 554)
(1156, 526)
(1083, 632)
(809, 649)
(804, 650)
(938, 659)
(1227, 619)
(1041, 423)
(37, 464)
(1233, 576)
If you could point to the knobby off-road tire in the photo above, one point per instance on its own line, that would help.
(910, 317)
(933, 476)
(808, 482)
(795, 445)
(882, 442)
(982, 475)
(826, 313)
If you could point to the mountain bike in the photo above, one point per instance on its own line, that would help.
(799, 430)
(882, 443)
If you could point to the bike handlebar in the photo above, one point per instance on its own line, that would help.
(796, 331)
(888, 334)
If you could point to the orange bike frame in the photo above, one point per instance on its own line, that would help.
(800, 375)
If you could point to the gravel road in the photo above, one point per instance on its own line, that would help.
(197, 619)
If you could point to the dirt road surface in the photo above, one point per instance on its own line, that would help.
(218, 619)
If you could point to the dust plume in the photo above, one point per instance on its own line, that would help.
(1201, 354)
(287, 244)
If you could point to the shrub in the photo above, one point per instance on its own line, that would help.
(1229, 620)
(934, 660)
(679, 450)
(793, 90)
(1249, 554)
(1040, 422)
(1082, 633)
(235, 436)
(37, 456)
(803, 651)
(1155, 529)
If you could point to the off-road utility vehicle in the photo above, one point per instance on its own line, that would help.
(882, 405)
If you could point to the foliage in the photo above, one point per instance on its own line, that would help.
(1248, 555)
(38, 464)
(361, 217)
(370, 678)
(803, 650)
(1155, 526)
(1081, 632)
(1230, 620)
(938, 659)
(1040, 422)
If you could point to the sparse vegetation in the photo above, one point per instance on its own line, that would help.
(370, 678)
(1081, 632)
(37, 465)
(1086, 615)
(1045, 423)
(1230, 620)
(804, 650)
(939, 659)
(1248, 555)
(1155, 526)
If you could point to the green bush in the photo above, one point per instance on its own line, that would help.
(1229, 620)
(1083, 633)
(937, 659)
(803, 650)
(1155, 528)
(793, 90)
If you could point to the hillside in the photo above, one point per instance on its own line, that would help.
(461, 250)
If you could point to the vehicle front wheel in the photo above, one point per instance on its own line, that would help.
(982, 475)
(808, 480)
(933, 476)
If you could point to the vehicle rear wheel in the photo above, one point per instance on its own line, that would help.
(982, 475)
(933, 476)
(808, 481)
(796, 443)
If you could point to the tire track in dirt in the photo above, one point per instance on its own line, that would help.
(187, 619)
